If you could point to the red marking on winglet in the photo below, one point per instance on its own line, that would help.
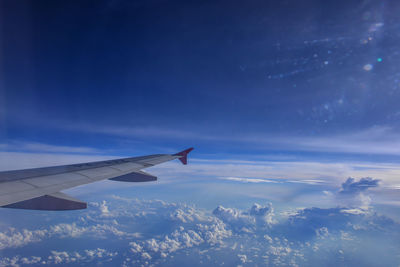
(183, 155)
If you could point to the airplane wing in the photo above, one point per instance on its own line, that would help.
(39, 189)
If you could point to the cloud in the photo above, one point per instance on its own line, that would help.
(381, 140)
(195, 229)
(177, 233)
(238, 220)
(16, 146)
(262, 214)
(376, 140)
(355, 194)
(179, 239)
(104, 209)
(61, 257)
(256, 171)
(351, 186)
(248, 180)
(261, 171)
(246, 221)
(308, 181)
(243, 258)
(142, 131)
(13, 238)
(275, 181)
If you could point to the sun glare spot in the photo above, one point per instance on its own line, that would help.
(368, 67)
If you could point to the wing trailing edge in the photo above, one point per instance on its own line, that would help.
(56, 201)
(135, 177)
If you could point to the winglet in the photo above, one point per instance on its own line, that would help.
(183, 155)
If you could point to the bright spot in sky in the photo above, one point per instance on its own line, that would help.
(368, 67)
(379, 59)
(376, 26)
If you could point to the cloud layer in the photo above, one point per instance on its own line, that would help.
(139, 232)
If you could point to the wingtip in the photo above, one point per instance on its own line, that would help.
(183, 155)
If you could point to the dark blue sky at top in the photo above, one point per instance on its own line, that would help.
(290, 102)
(211, 67)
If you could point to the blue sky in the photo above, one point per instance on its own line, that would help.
(289, 104)
(224, 77)
(283, 81)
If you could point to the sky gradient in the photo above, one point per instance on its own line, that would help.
(290, 104)
(209, 73)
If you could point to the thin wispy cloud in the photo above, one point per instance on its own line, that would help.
(380, 140)
(248, 180)
(277, 180)
(46, 148)
(310, 171)
(376, 140)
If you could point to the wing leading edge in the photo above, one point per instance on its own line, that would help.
(39, 189)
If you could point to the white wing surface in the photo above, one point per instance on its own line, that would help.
(39, 189)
